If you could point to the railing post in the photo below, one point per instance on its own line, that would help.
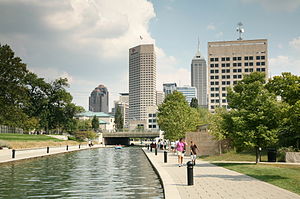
(47, 149)
(190, 173)
(155, 150)
(79, 146)
(13, 153)
(165, 156)
(67, 148)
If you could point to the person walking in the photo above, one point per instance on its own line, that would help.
(180, 148)
(194, 149)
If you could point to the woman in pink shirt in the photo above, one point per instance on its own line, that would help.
(180, 148)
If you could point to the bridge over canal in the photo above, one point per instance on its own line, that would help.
(124, 137)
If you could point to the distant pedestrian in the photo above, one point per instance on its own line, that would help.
(194, 150)
(173, 145)
(180, 148)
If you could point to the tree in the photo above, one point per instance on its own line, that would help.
(287, 86)
(13, 95)
(176, 117)
(194, 103)
(95, 123)
(119, 119)
(253, 121)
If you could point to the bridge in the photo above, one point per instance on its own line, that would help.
(124, 137)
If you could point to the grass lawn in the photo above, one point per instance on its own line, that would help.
(26, 137)
(284, 176)
(234, 156)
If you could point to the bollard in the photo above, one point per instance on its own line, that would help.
(165, 156)
(67, 147)
(47, 149)
(155, 150)
(13, 153)
(79, 146)
(190, 173)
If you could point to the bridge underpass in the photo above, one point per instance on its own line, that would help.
(123, 138)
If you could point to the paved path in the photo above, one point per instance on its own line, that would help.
(6, 154)
(212, 182)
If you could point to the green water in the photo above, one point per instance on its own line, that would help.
(96, 173)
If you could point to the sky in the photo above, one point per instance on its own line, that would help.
(87, 41)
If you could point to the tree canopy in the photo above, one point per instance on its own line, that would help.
(194, 103)
(29, 102)
(119, 121)
(176, 117)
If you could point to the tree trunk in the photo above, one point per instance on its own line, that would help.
(257, 154)
(220, 147)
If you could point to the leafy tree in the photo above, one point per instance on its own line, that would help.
(13, 95)
(83, 125)
(95, 123)
(119, 119)
(176, 117)
(194, 103)
(253, 121)
(287, 86)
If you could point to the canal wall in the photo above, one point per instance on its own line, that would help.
(6, 155)
(170, 191)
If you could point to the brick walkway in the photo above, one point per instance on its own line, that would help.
(212, 182)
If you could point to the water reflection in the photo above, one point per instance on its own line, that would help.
(98, 173)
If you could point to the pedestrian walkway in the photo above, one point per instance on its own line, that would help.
(6, 154)
(212, 182)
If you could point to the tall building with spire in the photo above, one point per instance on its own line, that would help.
(98, 101)
(142, 81)
(199, 77)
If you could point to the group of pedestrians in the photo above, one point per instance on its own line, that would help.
(181, 148)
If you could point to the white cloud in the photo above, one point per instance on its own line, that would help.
(277, 5)
(282, 63)
(85, 41)
(295, 43)
(211, 27)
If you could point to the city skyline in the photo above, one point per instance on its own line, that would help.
(87, 42)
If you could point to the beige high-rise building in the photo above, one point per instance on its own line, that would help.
(228, 61)
(123, 103)
(142, 81)
(160, 96)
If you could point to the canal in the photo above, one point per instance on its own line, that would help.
(96, 173)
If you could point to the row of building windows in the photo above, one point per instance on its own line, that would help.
(152, 120)
(239, 64)
(217, 95)
(224, 106)
(218, 101)
(217, 88)
(223, 83)
(235, 71)
(216, 59)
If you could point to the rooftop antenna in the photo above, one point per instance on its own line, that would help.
(198, 44)
(240, 30)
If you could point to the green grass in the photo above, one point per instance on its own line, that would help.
(284, 176)
(234, 156)
(25, 137)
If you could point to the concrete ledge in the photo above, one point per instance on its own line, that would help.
(170, 191)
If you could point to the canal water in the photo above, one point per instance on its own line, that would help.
(96, 173)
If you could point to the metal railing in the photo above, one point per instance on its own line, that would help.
(8, 129)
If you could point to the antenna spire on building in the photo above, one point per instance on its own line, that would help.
(240, 30)
(198, 45)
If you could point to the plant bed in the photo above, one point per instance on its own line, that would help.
(292, 157)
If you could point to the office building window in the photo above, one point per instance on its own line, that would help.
(212, 77)
(212, 94)
(211, 65)
(223, 59)
(212, 71)
(250, 57)
(258, 57)
(251, 64)
(212, 83)
(234, 58)
(263, 63)
(223, 65)
(263, 69)
(258, 69)
(217, 101)
(239, 64)
(227, 64)
(212, 59)
(246, 58)
(228, 82)
(223, 100)
(246, 70)
(257, 63)
(234, 64)
(227, 58)
(223, 88)
(239, 76)
(224, 95)
(212, 101)
(239, 58)
(262, 57)
(246, 64)
(212, 107)
(251, 69)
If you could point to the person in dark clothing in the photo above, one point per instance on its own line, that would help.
(194, 150)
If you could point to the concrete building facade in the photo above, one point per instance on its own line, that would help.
(199, 78)
(169, 88)
(98, 101)
(189, 92)
(228, 61)
(123, 103)
(142, 81)
(160, 96)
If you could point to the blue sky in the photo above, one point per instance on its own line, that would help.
(87, 41)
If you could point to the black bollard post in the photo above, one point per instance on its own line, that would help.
(67, 147)
(79, 146)
(13, 153)
(165, 156)
(190, 173)
(47, 149)
(155, 150)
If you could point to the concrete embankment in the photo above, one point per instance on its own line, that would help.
(6, 155)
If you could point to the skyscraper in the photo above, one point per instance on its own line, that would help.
(199, 77)
(228, 61)
(188, 92)
(142, 81)
(160, 96)
(98, 101)
(123, 103)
